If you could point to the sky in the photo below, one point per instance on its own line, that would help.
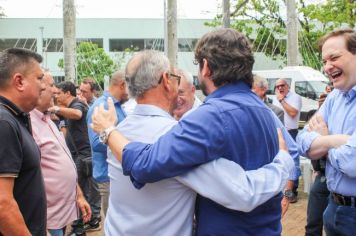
(203, 9)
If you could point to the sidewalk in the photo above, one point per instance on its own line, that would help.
(294, 221)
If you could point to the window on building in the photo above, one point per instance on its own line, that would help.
(96, 41)
(56, 44)
(18, 43)
(154, 44)
(186, 45)
(119, 45)
(53, 45)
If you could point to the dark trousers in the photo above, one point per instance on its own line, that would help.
(90, 190)
(317, 202)
(339, 220)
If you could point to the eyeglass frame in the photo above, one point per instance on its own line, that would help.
(178, 77)
(281, 85)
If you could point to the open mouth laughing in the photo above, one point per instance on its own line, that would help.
(335, 75)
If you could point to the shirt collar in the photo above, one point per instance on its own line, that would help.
(351, 94)
(40, 115)
(150, 110)
(229, 88)
(12, 107)
(17, 112)
(107, 94)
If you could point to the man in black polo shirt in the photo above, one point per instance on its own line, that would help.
(75, 112)
(22, 194)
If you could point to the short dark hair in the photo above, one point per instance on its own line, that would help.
(66, 86)
(13, 59)
(229, 55)
(91, 83)
(348, 34)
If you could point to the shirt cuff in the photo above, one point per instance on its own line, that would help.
(131, 152)
(287, 161)
(305, 139)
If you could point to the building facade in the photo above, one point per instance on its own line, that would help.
(114, 35)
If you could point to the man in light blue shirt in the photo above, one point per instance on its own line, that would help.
(166, 207)
(118, 92)
(332, 132)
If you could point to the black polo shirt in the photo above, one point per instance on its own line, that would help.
(20, 158)
(78, 131)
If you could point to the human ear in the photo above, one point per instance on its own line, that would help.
(18, 80)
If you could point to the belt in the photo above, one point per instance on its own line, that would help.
(343, 200)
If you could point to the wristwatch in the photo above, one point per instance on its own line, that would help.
(56, 109)
(288, 194)
(281, 100)
(104, 135)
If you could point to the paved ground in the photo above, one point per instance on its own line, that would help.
(293, 222)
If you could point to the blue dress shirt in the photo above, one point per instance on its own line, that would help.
(99, 150)
(339, 113)
(233, 123)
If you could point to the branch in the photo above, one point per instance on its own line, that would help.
(306, 24)
(239, 7)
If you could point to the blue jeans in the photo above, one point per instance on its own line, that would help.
(56, 232)
(339, 220)
(317, 202)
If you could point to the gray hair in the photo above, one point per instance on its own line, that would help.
(117, 77)
(284, 80)
(187, 75)
(144, 70)
(260, 82)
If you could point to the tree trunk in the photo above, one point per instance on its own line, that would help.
(69, 42)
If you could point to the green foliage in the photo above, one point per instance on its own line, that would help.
(93, 61)
(2, 12)
(261, 21)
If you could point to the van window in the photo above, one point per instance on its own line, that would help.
(318, 87)
(304, 89)
(272, 83)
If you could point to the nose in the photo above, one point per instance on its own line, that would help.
(328, 66)
(43, 86)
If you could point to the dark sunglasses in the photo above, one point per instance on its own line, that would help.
(280, 86)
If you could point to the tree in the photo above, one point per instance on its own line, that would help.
(263, 23)
(92, 61)
(69, 29)
(2, 12)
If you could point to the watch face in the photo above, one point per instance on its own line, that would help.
(102, 137)
(288, 194)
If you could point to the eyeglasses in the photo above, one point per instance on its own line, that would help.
(171, 75)
(280, 86)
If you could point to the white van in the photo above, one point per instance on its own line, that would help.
(305, 81)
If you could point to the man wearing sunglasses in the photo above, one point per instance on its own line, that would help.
(291, 103)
